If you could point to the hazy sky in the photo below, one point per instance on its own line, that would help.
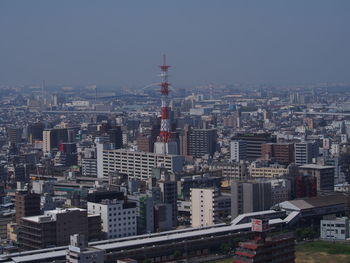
(207, 41)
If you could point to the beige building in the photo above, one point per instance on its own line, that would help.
(204, 206)
(268, 172)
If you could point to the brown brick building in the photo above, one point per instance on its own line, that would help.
(280, 152)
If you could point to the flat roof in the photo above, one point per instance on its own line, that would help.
(316, 166)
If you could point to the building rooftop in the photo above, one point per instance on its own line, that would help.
(316, 166)
(314, 202)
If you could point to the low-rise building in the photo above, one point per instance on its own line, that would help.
(335, 229)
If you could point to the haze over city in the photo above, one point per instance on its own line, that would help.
(120, 43)
(176, 131)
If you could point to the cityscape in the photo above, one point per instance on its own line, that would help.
(164, 170)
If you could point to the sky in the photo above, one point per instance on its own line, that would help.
(114, 42)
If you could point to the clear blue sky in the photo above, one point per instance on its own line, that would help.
(207, 41)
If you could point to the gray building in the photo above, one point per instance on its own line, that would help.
(305, 152)
(89, 167)
(335, 229)
(201, 142)
(323, 174)
(250, 197)
(238, 150)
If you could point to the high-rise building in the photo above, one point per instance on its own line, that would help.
(27, 204)
(145, 143)
(280, 152)
(324, 175)
(305, 152)
(14, 135)
(52, 138)
(254, 142)
(304, 186)
(116, 137)
(135, 164)
(168, 189)
(35, 132)
(250, 197)
(204, 206)
(201, 142)
(119, 217)
(89, 167)
(55, 227)
(144, 212)
(238, 150)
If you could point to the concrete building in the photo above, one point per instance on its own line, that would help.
(163, 220)
(323, 174)
(14, 134)
(118, 217)
(204, 206)
(238, 150)
(144, 212)
(135, 164)
(279, 152)
(231, 170)
(305, 152)
(78, 252)
(253, 143)
(52, 138)
(201, 142)
(270, 171)
(55, 227)
(89, 167)
(145, 143)
(27, 204)
(35, 132)
(250, 197)
(334, 228)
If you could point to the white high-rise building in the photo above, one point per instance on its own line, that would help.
(135, 164)
(238, 150)
(204, 206)
(118, 217)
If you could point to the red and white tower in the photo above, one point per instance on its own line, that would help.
(164, 91)
(165, 145)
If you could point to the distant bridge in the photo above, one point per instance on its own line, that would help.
(322, 113)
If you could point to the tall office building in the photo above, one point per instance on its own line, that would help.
(89, 167)
(280, 152)
(144, 212)
(238, 150)
(254, 142)
(27, 204)
(35, 132)
(305, 152)
(204, 206)
(52, 138)
(201, 142)
(116, 137)
(250, 197)
(14, 135)
(145, 143)
(168, 189)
